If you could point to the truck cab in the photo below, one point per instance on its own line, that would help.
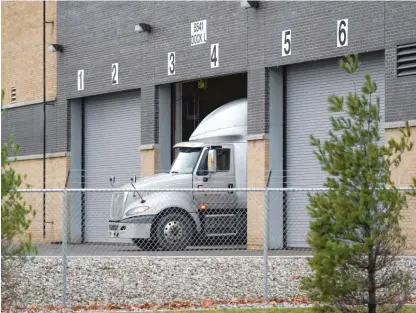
(158, 214)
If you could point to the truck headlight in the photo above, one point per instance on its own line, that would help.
(136, 210)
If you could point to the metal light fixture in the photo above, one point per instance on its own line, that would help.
(142, 27)
(55, 47)
(249, 4)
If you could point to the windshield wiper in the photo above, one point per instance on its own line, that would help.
(174, 172)
(135, 191)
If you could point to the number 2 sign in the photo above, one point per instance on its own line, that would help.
(114, 74)
(342, 33)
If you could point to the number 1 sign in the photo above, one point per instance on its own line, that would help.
(80, 80)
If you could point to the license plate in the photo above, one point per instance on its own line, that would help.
(113, 234)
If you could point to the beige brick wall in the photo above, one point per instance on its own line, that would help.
(402, 176)
(22, 50)
(257, 168)
(149, 162)
(56, 171)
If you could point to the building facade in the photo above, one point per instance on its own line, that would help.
(125, 97)
(22, 116)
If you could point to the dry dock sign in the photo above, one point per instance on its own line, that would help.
(198, 32)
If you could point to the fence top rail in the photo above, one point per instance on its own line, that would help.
(184, 189)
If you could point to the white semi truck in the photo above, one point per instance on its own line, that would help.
(214, 157)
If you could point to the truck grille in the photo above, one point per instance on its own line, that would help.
(117, 206)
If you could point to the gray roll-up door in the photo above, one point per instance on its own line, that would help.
(308, 87)
(112, 147)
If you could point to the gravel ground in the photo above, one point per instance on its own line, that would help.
(134, 281)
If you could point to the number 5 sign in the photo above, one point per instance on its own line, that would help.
(287, 42)
(342, 33)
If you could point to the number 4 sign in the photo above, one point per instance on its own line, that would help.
(342, 33)
(214, 55)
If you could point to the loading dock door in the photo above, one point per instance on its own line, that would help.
(112, 147)
(308, 87)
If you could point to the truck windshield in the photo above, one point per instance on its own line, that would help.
(186, 160)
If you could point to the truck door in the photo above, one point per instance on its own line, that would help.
(218, 207)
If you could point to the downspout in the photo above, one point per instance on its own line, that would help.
(172, 119)
(44, 118)
(83, 170)
(284, 157)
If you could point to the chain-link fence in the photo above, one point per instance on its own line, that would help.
(129, 247)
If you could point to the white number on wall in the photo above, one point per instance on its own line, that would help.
(214, 55)
(80, 80)
(342, 33)
(171, 63)
(114, 74)
(286, 42)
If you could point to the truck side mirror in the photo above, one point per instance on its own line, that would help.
(212, 161)
(112, 181)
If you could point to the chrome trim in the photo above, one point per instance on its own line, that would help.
(219, 215)
(142, 219)
(221, 234)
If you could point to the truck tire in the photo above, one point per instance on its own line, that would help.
(175, 231)
(145, 244)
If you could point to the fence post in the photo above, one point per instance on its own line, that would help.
(64, 247)
(266, 241)
(266, 247)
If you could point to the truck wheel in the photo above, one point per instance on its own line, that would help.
(174, 231)
(145, 244)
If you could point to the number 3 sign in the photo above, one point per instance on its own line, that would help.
(171, 63)
(342, 33)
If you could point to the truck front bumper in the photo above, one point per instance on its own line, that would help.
(129, 228)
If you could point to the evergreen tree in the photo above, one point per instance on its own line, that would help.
(16, 217)
(15, 213)
(355, 228)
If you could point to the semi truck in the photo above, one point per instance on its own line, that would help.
(214, 157)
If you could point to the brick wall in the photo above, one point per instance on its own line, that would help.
(257, 167)
(402, 177)
(96, 34)
(400, 91)
(22, 68)
(22, 53)
(57, 171)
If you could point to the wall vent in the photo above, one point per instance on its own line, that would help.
(406, 59)
(13, 95)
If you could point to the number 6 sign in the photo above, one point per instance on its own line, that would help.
(342, 33)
